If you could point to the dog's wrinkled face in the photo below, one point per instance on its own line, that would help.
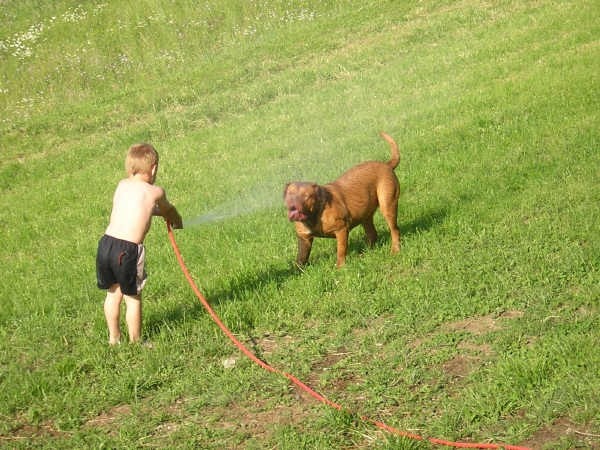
(300, 200)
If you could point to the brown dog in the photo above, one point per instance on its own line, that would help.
(333, 209)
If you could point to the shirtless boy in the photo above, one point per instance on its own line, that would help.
(120, 258)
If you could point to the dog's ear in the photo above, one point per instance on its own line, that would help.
(285, 189)
(323, 194)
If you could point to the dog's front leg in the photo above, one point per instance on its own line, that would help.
(341, 237)
(304, 246)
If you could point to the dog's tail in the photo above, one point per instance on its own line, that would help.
(393, 162)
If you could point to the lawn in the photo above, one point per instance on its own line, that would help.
(484, 328)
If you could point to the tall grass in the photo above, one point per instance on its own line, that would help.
(484, 327)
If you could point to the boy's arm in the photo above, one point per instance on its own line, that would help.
(165, 209)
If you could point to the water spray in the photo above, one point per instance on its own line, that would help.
(253, 199)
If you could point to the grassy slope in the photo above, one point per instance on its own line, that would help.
(485, 326)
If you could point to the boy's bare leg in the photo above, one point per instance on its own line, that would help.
(112, 306)
(134, 316)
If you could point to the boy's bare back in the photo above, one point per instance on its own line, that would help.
(134, 204)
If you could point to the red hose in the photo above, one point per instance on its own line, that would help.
(303, 386)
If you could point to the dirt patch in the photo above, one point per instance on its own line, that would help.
(512, 314)
(579, 436)
(473, 325)
(175, 410)
(472, 354)
(481, 325)
(478, 349)
(373, 327)
(106, 419)
(328, 361)
(460, 366)
(268, 344)
(476, 326)
(27, 432)
(320, 368)
(470, 357)
(110, 416)
(257, 420)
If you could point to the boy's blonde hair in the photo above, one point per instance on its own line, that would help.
(140, 159)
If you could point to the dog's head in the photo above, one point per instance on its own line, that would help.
(303, 200)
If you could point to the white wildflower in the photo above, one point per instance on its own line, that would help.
(75, 15)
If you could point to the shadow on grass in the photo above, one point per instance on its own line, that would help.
(421, 224)
(425, 222)
(237, 288)
(157, 322)
(249, 283)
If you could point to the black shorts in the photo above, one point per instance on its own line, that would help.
(121, 262)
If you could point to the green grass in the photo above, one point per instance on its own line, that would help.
(483, 328)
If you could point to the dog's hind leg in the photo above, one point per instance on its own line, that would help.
(389, 210)
(370, 231)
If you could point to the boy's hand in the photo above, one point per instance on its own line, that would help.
(174, 219)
